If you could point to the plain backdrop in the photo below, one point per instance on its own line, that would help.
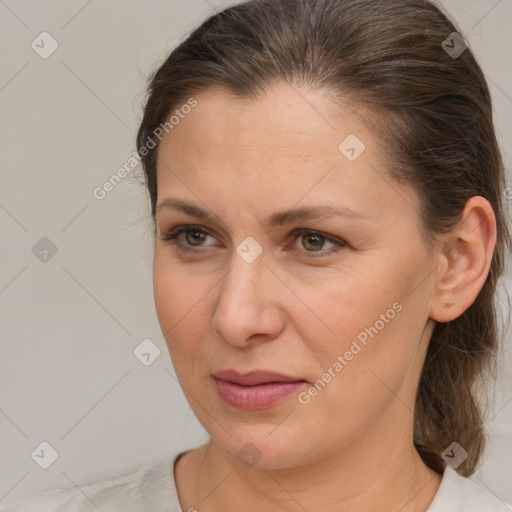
(71, 317)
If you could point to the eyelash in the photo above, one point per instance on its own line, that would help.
(171, 238)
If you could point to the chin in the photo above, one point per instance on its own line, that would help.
(267, 446)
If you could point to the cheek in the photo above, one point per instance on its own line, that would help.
(350, 304)
(179, 298)
(375, 324)
(165, 286)
(178, 289)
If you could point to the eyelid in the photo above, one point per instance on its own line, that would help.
(331, 238)
(171, 237)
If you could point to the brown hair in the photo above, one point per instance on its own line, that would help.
(436, 127)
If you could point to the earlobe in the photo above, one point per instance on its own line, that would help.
(464, 259)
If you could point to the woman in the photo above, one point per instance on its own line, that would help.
(327, 191)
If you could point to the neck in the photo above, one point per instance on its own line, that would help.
(379, 476)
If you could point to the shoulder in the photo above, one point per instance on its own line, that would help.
(458, 493)
(477, 498)
(47, 501)
(147, 487)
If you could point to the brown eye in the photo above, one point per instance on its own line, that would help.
(313, 242)
(195, 238)
(187, 236)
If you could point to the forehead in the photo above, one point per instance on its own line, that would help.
(287, 129)
(288, 145)
(285, 119)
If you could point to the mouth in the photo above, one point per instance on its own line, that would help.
(255, 377)
(256, 389)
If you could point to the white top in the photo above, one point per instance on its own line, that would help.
(151, 488)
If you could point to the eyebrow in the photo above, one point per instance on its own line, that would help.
(276, 219)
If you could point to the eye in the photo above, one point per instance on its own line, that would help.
(194, 236)
(311, 240)
(314, 241)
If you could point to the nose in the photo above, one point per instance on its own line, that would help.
(247, 308)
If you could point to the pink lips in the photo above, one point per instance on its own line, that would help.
(256, 389)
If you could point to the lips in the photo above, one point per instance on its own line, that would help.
(255, 390)
(254, 378)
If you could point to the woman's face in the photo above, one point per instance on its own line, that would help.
(351, 321)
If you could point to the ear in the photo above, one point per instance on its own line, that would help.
(464, 257)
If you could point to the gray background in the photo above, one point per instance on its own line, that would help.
(69, 325)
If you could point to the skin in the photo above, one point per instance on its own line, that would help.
(294, 312)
